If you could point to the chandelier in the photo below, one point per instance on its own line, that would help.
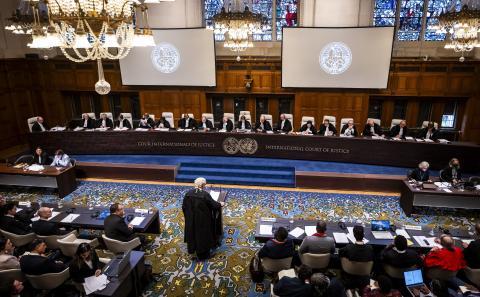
(238, 26)
(22, 19)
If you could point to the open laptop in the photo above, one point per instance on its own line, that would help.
(117, 265)
(414, 280)
(381, 229)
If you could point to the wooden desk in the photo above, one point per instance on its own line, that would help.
(63, 180)
(412, 195)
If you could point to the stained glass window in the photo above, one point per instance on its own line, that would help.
(384, 12)
(286, 15)
(264, 7)
(212, 7)
(411, 12)
(434, 9)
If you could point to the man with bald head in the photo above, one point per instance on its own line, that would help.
(43, 226)
(447, 257)
(472, 250)
(39, 125)
(399, 131)
(372, 129)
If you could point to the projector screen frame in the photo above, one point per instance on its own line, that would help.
(151, 87)
(337, 88)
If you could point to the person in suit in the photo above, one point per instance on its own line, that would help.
(123, 123)
(85, 263)
(421, 173)
(10, 223)
(243, 124)
(279, 247)
(61, 159)
(87, 122)
(43, 226)
(150, 121)
(452, 173)
(205, 124)
(40, 157)
(163, 123)
(186, 122)
(284, 125)
(308, 128)
(298, 286)
(399, 255)
(349, 129)
(428, 132)
(318, 243)
(115, 226)
(105, 122)
(399, 131)
(372, 129)
(471, 250)
(226, 124)
(327, 129)
(7, 259)
(39, 125)
(34, 262)
(263, 125)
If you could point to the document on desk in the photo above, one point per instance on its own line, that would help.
(297, 232)
(215, 195)
(402, 232)
(425, 241)
(95, 283)
(266, 229)
(137, 221)
(340, 237)
(310, 230)
(351, 237)
(70, 218)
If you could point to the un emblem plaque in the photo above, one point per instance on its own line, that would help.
(230, 145)
(248, 146)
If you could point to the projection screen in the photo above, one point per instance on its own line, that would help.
(336, 57)
(181, 57)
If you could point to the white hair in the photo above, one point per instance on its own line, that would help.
(424, 164)
(200, 182)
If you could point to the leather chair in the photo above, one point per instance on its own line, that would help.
(331, 119)
(30, 122)
(169, 117)
(473, 275)
(356, 268)
(395, 122)
(109, 115)
(190, 115)
(395, 272)
(275, 265)
(152, 116)
(128, 116)
(268, 117)
(230, 116)
(92, 115)
(52, 240)
(244, 112)
(48, 281)
(116, 246)
(305, 119)
(8, 276)
(24, 159)
(209, 117)
(376, 121)
(344, 121)
(315, 261)
(289, 117)
(69, 244)
(425, 124)
(440, 274)
(19, 240)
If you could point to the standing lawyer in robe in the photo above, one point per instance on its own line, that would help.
(349, 129)
(308, 128)
(163, 123)
(263, 125)
(39, 125)
(186, 122)
(327, 129)
(105, 122)
(87, 122)
(40, 157)
(421, 173)
(399, 131)
(372, 129)
(243, 124)
(123, 122)
(284, 125)
(201, 214)
(226, 124)
(205, 124)
(429, 132)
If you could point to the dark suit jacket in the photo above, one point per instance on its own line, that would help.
(312, 128)
(292, 287)
(166, 124)
(344, 128)
(419, 175)
(151, 122)
(126, 123)
(287, 126)
(472, 254)
(38, 265)
(208, 123)
(366, 130)
(274, 250)
(36, 127)
(331, 128)
(192, 124)
(78, 273)
(424, 131)
(357, 252)
(116, 228)
(448, 176)
(108, 123)
(401, 260)
(44, 160)
(229, 125)
(90, 123)
(266, 126)
(247, 125)
(47, 228)
(15, 226)
(396, 129)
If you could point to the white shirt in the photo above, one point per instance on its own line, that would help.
(204, 125)
(224, 126)
(281, 125)
(372, 129)
(41, 126)
(400, 133)
(121, 124)
(186, 122)
(40, 159)
(349, 131)
(242, 125)
(326, 132)
(261, 126)
(429, 134)
(89, 263)
(104, 123)
(85, 123)
(61, 161)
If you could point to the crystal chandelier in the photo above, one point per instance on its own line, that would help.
(238, 26)
(22, 19)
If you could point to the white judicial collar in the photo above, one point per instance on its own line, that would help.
(41, 126)
(85, 123)
(281, 126)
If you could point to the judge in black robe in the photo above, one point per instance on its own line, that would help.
(367, 131)
(163, 123)
(87, 122)
(104, 122)
(226, 124)
(422, 173)
(263, 125)
(243, 124)
(308, 126)
(123, 123)
(349, 129)
(150, 121)
(284, 125)
(187, 122)
(40, 157)
(39, 125)
(201, 220)
(399, 131)
(428, 132)
(327, 125)
(205, 124)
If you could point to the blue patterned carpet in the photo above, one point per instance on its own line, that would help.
(226, 274)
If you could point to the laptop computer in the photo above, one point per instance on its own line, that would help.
(381, 229)
(414, 280)
(117, 265)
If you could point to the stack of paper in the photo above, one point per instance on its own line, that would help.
(137, 221)
(70, 218)
(409, 138)
(101, 129)
(340, 237)
(270, 132)
(222, 130)
(162, 129)
(188, 130)
(215, 195)
(441, 140)
(266, 229)
(402, 232)
(310, 230)
(428, 140)
(413, 227)
(180, 130)
(426, 241)
(141, 129)
(95, 283)
(297, 232)
(419, 140)
(78, 129)
(120, 129)
(57, 128)
(36, 167)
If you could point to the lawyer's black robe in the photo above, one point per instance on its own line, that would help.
(202, 220)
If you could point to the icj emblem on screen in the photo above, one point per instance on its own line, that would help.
(165, 58)
(335, 58)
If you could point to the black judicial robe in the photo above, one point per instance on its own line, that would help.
(345, 127)
(201, 224)
(248, 126)
(287, 126)
(424, 131)
(108, 123)
(192, 124)
(229, 125)
(36, 127)
(208, 124)
(323, 128)
(266, 126)
(165, 123)
(126, 124)
(305, 127)
(376, 128)
(43, 161)
(396, 130)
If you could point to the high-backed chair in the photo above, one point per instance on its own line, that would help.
(190, 115)
(315, 261)
(268, 117)
(230, 116)
(289, 117)
(92, 115)
(440, 274)
(376, 121)
(52, 240)
(152, 116)
(305, 119)
(425, 124)
(209, 117)
(169, 117)
(244, 112)
(30, 122)
(331, 119)
(116, 246)
(109, 115)
(395, 122)
(48, 281)
(344, 121)
(24, 159)
(356, 268)
(395, 272)
(128, 117)
(275, 265)
(473, 275)
(18, 240)
(8, 276)
(69, 244)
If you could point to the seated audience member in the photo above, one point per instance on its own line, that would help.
(10, 223)
(472, 250)
(295, 286)
(163, 123)
(87, 122)
(243, 124)
(34, 262)
(150, 121)
(186, 122)
(115, 226)
(263, 125)
(452, 173)
(308, 128)
(279, 247)
(226, 124)
(428, 132)
(399, 131)
(61, 159)
(284, 125)
(399, 256)
(322, 286)
(39, 125)
(123, 122)
(349, 129)
(327, 129)
(85, 263)
(104, 122)
(144, 124)
(422, 173)
(385, 289)
(43, 226)
(40, 157)
(205, 124)
(372, 129)
(7, 259)
(448, 256)
(318, 243)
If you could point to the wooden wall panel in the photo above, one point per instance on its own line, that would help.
(176, 101)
